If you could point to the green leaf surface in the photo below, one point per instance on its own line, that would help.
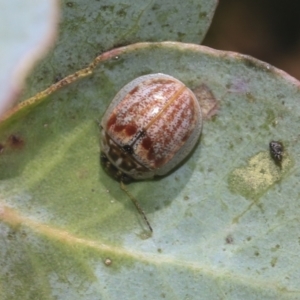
(89, 28)
(226, 222)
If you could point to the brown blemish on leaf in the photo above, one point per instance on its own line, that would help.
(1, 148)
(15, 142)
(208, 102)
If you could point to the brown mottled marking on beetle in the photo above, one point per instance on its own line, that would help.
(1, 148)
(151, 154)
(171, 129)
(112, 121)
(119, 128)
(143, 110)
(185, 138)
(133, 91)
(162, 81)
(141, 104)
(167, 129)
(130, 129)
(147, 143)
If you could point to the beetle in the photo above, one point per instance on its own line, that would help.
(150, 126)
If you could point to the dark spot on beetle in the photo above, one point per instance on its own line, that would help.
(15, 142)
(147, 143)
(127, 149)
(1, 148)
(112, 120)
(186, 136)
(119, 128)
(130, 129)
(229, 239)
(133, 91)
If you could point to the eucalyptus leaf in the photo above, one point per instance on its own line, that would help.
(89, 28)
(225, 221)
(27, 30)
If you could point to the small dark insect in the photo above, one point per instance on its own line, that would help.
(276, 151)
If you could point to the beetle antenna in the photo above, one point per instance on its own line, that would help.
(136, 204)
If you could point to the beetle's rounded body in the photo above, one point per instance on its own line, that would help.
(151, 125)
